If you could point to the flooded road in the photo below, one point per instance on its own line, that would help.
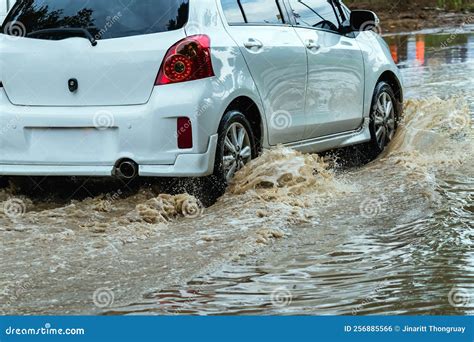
(395, 236)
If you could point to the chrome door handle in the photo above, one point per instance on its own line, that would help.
(253, 43)
(312, 45)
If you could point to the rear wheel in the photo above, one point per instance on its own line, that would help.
(236, 146)
(383, 117)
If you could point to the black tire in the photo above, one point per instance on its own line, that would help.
(230, 118)
(209, 189)
(3, 182)
(23, 185)
(383, 133)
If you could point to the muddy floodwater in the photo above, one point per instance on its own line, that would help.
(295, 234)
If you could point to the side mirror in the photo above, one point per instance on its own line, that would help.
(364, 20)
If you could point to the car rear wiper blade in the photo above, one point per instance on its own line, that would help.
(69, 30)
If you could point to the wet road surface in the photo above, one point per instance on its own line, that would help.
(395, 236)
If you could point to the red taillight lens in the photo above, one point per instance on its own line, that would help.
(187, 60)
(185, 133)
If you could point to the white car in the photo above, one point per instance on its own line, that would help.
(187, 88)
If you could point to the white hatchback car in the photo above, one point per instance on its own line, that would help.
(187, 88)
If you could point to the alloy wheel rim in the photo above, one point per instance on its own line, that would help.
(384, 120)
(237, 150)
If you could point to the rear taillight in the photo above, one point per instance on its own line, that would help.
(187, 60)
(185, 133)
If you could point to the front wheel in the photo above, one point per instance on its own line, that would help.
(383, 117)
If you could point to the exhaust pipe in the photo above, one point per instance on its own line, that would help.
(126, 169)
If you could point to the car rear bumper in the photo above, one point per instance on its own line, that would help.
(90, 141)
(186, 165)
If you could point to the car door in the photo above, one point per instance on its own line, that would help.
(335, 91)
(277, 62)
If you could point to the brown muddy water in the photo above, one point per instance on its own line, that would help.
(296, 234)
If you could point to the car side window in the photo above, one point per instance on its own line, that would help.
(233, 12)
(253, 12)
(347, 11)
(315, 13)
(262, 11)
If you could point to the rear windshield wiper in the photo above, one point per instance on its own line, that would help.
(67, 30)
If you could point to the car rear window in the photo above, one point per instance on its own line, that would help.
(104, 19)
